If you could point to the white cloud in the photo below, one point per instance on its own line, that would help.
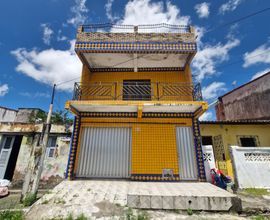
(208, 56)
(3, 89)
(108, 9)
(79, 11)
(260, 55)
(35, 95)
(49, 66)
(213, 90)
(230, 5)
(61, 37)
(202, 9)
(147, 12)
(260, 73)
(207, 116)
(47, 33)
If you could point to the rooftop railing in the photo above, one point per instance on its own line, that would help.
(137, 91)
(139, 33)
(149, 28)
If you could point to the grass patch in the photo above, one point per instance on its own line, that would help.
(59, 201)
(260, 217)
(189, 211)
(11, 215)
(81, 217)
(29, 199)
(45, 202)
(141, 215)
(255, 192)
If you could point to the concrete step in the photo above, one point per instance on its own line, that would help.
(181, 196)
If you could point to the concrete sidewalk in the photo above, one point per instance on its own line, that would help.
(99, 198)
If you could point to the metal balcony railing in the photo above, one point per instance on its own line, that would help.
(137, 91)
(148, 28)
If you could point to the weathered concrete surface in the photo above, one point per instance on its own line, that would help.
(249, 101)
(105, 199)
(183, 196)
(7, 115)
(54, 167)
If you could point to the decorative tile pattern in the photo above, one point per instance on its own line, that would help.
(131, 47)
(198, 150)
(73, 148)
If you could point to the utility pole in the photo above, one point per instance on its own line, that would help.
(38, 154)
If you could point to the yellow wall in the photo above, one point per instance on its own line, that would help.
(154, 76)
(153, 142)
(229, 135)
(118, 77)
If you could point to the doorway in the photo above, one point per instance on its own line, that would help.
(9, 150)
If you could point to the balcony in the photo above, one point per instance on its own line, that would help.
(110, 47)
(137, 96)
(137, 91)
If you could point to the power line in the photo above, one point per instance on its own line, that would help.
(235, 62)
(238, 20)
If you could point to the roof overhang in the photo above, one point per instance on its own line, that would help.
(196, 108)
(135, 56)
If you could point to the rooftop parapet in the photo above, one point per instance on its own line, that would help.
(140, 33)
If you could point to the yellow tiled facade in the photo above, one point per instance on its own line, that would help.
(153, 142)
(165, 100)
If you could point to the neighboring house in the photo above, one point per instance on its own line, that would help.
(136, 108)
(7, 114)
(18, 140)
(249, 101)
(223, 134)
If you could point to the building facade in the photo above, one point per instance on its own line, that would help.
(136, 108)
(19, 139)
(223, 134)
(249, 101)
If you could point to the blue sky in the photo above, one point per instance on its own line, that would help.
(37, 38)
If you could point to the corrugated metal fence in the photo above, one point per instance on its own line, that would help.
(105, 152)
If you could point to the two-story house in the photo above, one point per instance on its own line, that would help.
(136, 108)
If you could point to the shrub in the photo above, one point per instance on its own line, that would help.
(29, 199)
(11, 215)
(189, 211)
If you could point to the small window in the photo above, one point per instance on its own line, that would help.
(248, 142)
(8, 143)
(51, 146)
(136, 90)
(207, 140)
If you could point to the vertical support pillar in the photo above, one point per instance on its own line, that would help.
(73, 148)
(198, 150)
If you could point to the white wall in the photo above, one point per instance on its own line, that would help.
(209, 161)
(251, 166)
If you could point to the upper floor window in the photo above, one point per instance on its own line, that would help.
(51, 146)
(136, 90)
(248, 141)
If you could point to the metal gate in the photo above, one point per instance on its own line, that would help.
(104, 152)
(186, 153)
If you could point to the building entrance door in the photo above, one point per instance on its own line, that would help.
(6, 148)
(186, 153)
(104, 152)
